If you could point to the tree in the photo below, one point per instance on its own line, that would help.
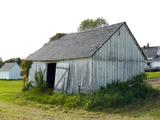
(25, 65)
(57, 36)
(1, 62)
(92, 23)
(17, 60)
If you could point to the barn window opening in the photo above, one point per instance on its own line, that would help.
(149, 64)
(51, 73)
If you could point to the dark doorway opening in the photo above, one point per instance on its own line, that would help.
(51, 72)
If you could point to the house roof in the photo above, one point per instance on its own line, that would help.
(152, 52)
(7, 66)
(77, 45)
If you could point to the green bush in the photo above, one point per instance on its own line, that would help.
(122, 94)
(27, 86)
(114, 95)
(41, 85)
(25, 65)
(59, 99)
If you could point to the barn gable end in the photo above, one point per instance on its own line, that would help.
(119, 59)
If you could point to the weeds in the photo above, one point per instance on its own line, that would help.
(122, 94)
(41, 85)
(114, 95)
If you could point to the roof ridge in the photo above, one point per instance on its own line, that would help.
(87, 30)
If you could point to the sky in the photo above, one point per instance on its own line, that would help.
(25, 25)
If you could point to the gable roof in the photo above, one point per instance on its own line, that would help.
(7, 66)
(152, 52)
(77, 45)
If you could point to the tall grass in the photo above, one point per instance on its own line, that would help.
(114, 95)
(122, 94)
(41, 85)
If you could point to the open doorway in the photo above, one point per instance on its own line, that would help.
(51, 72)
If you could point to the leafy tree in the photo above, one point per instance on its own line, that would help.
(1, 63)
(17, 60)
(57, 36)
(91, 23)
(25, 65)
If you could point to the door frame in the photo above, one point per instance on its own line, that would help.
(47, 75)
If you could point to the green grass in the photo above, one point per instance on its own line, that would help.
(149, 109)
(115, 95)
(9, 88)
(152, 75)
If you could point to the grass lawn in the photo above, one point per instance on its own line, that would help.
(152, 75)
(9, 88)
(9, 110)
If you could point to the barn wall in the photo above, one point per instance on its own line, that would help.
(4, 75)
(79, 74)
(118, 59)
(15, 72)
(36, 66)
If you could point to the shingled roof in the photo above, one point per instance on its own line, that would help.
(7, 66)
(76, 45)
(152, 52)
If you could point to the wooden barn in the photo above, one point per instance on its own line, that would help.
(85, 61)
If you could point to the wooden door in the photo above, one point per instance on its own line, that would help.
(61, 78)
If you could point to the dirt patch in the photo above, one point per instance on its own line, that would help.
(154, 82)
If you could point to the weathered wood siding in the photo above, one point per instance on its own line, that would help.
(79, 75)
(118, 59)
(36, 66)
(77, 79)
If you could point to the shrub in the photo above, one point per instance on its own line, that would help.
(41, 85)
(114, 95)
(27, 86)
(25, 65)
(122, 94)
(57, 36)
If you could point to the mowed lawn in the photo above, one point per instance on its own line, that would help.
(10, 110)
(153, 75)
(9, 88)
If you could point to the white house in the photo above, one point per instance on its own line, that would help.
(153, 57)
(10, 71)
(1, 59)
(85, 61)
